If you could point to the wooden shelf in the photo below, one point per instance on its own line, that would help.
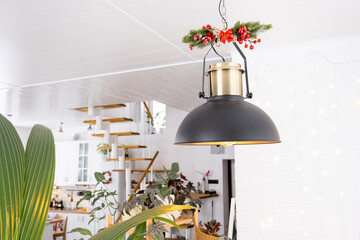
(130, 159)
(116, 134)
(128, 146)
(139, 170)
(85, 109)
(112, 120)
(203, 195)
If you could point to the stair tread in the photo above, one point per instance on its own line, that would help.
(138, 170)
(116, 134)
(113, 120)
(127, 146)
(85, 109)
(130, 159)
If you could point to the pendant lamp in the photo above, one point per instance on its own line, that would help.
(226, 118)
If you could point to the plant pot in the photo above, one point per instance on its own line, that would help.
(202, 235)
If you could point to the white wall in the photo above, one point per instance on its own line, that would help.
(24, 134)
(307, 187)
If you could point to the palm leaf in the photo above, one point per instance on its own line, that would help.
(38, 182)
(11, 178)
(118, 230)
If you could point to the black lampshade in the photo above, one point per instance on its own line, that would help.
(227, 120)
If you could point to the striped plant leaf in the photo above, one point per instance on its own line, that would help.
(38, 182)
(26, 181)
(116, 231)
(11, 178)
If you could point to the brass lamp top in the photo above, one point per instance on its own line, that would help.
(225, 79)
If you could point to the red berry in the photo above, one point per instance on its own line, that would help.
(254, 41)
(208, 38)
(248, 35)
(204, 27)
(191, 48)
(205, 41)
(208, 27)
(251, 47)
(200, 36)
(246, 45)
(195, 37)
(259, 40)
(240, 41)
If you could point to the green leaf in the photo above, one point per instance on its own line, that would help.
(139, 232)
(165, 191)
(82, 231)
(117, 230)
(174, 168)
(38, 182)
(161, 178)
(11, 178)
(99, 176)
(168, 221)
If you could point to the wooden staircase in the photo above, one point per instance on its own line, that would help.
(127, 170)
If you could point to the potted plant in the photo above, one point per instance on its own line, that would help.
(104, 203)
(210, 233)
(27, 181)
(172, 189)
(103, 152)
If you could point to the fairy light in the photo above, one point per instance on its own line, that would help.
(321, 111)
(298, 169)
(311, 92)
(268, 104)
(335, 128)
(313, 131)
(334, 105)
(357, 102)
(341, 194)
(324, 172)
(358, 80)
(332, 86)
(301, 212)
(306, 234)
(338, 151)
(275, 159)
(319, 199)
(291, 105)
(291, 88)
(305, 189)
(316, 153)
(270, 82)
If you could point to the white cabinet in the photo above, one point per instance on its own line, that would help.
(66, 159)
(76, 162)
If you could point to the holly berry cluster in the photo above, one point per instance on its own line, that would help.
(209, 36)
(243, 36)
(241, 32)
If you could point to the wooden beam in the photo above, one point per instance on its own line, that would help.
(148, 111)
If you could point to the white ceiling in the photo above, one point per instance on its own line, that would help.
(60, 54)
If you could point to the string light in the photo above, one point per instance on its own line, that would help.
(312, 91)
(332, 86)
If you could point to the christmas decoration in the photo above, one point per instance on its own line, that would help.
(109, 180)
(241, 32)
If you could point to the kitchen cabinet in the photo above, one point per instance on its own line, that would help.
(76, 162)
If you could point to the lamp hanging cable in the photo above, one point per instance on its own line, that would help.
(222, 12)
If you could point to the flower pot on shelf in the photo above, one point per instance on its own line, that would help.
(202, 235)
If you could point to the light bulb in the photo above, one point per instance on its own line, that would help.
(227, 144)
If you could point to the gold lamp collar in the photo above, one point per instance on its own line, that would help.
(225, 79)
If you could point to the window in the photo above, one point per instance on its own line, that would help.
(159, 114)
(83, 162)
